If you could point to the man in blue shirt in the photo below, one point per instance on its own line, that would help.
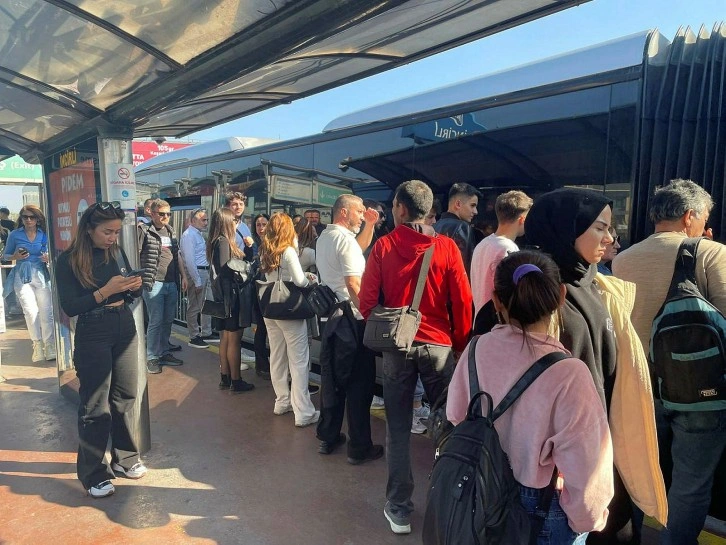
(194, 257)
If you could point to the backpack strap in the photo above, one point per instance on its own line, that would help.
(418, 293)
(538, 367)
(685, 266)
(473, 375)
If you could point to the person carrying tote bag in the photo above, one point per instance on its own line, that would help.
(289, 348)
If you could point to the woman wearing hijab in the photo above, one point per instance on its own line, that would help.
(573, 226)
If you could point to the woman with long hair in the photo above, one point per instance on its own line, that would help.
(259, 223)
(93, 272)
(307, 236)
(289, 349)
(557, 421)
(262, 357)
(221, 249)
(27, 245)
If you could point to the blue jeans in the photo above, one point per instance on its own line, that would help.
(418, 392)
(161, 307)
(435, 364)
(696, 441)
(556, 530)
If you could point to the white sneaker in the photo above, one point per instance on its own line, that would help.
(247, 356)
(50, 352)
(137, 470)
(377, 403)
(417, 426)
(243, 367)
(38, 351)
(101, 490)
(312, 420)
(422, 412)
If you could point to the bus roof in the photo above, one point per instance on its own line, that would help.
(617, 54)
(205, 149)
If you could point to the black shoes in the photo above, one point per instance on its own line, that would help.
(213, 338)
(152, 367)
(174, 347)
(373, 454)
(224, 382)
(263, 374)
(197, 342)
(170, 360)
(239, 386)
(329, 448)
(313, 389)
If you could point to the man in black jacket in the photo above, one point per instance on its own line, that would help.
(455, 223)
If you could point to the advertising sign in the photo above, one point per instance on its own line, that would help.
(143, 151)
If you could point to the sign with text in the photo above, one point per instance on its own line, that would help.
(121, 184)
(143, 151)
(17, 170)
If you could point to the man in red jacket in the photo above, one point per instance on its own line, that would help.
(446, 307)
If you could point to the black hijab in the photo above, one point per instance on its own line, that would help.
(554, 222)
(557, 219)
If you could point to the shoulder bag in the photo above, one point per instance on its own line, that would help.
(212, 307)
(283, 300)
(394, 329)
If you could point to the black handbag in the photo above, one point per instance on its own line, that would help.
(322, 300)
(283, 300)
(213, 307)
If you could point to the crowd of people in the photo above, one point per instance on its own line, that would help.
(595, 418)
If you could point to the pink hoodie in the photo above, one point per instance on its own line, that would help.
(558, 420)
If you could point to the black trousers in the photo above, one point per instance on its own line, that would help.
(262, 355)
(356, 397)
(106, 361)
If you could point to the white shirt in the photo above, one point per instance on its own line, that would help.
(487, 255)
(337, 255)
(290, 269)
(194, 253)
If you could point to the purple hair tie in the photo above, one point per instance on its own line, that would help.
(520, 271)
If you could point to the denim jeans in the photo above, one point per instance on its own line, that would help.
(435, 364)
(161, 306)
(418, 392)
(696, 441)
(556, 530)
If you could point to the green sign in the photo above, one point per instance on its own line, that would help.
(327, 194)
(15, 168)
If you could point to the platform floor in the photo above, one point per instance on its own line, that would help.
(223, 468)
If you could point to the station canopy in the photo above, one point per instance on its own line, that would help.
(74, 69)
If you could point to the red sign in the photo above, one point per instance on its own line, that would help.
(143, 151)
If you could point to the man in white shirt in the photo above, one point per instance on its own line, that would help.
(340, 264)
(194, 255)
(511, 209)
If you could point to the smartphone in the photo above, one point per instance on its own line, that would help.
(22, 251)
(135, 272)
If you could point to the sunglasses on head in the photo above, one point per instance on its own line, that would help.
(26, 217)
(105, 205)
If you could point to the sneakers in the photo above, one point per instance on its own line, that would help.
(377, 403)
(263, 374)
(50, 352)
(247, 356)
(174, 347)
(170, 360)
(313, 389)
(197, 342)
(238, 386)
(153, 367)
(329, 448)
(243, 366)
(399, 524)
(308, 421)
(417, 426)
(213, 338)
(224, 382)
(101, 490)
(423, 412)
(373, 454)
(137, 470)
(279, 411)
(38, 351)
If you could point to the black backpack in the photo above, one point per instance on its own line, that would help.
(473, 497)
(686, 355)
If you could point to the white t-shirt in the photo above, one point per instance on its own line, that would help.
(337, 255)
(487, 255)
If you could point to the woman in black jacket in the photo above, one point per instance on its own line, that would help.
(573, 225)
(221, 250)
(96, 288)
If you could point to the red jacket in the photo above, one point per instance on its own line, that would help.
(393, 267)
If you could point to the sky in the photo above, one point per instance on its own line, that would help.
(591, 23)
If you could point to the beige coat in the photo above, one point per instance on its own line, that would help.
(632, 416)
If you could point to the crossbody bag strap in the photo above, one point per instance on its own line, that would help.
(422, 277)
(473, 375)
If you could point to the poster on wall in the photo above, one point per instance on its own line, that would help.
(122, 185)
(71, 189)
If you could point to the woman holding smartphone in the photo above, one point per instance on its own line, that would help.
(96, 288)
(28, 247)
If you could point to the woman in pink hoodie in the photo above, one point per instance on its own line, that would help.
(559, 420)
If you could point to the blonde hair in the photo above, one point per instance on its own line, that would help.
(278, 237)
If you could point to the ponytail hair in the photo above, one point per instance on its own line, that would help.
(528, 285)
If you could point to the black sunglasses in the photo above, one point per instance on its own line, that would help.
(104, 205)
(25, 217)
(164, 214)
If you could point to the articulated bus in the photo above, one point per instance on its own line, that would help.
(622, 117)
